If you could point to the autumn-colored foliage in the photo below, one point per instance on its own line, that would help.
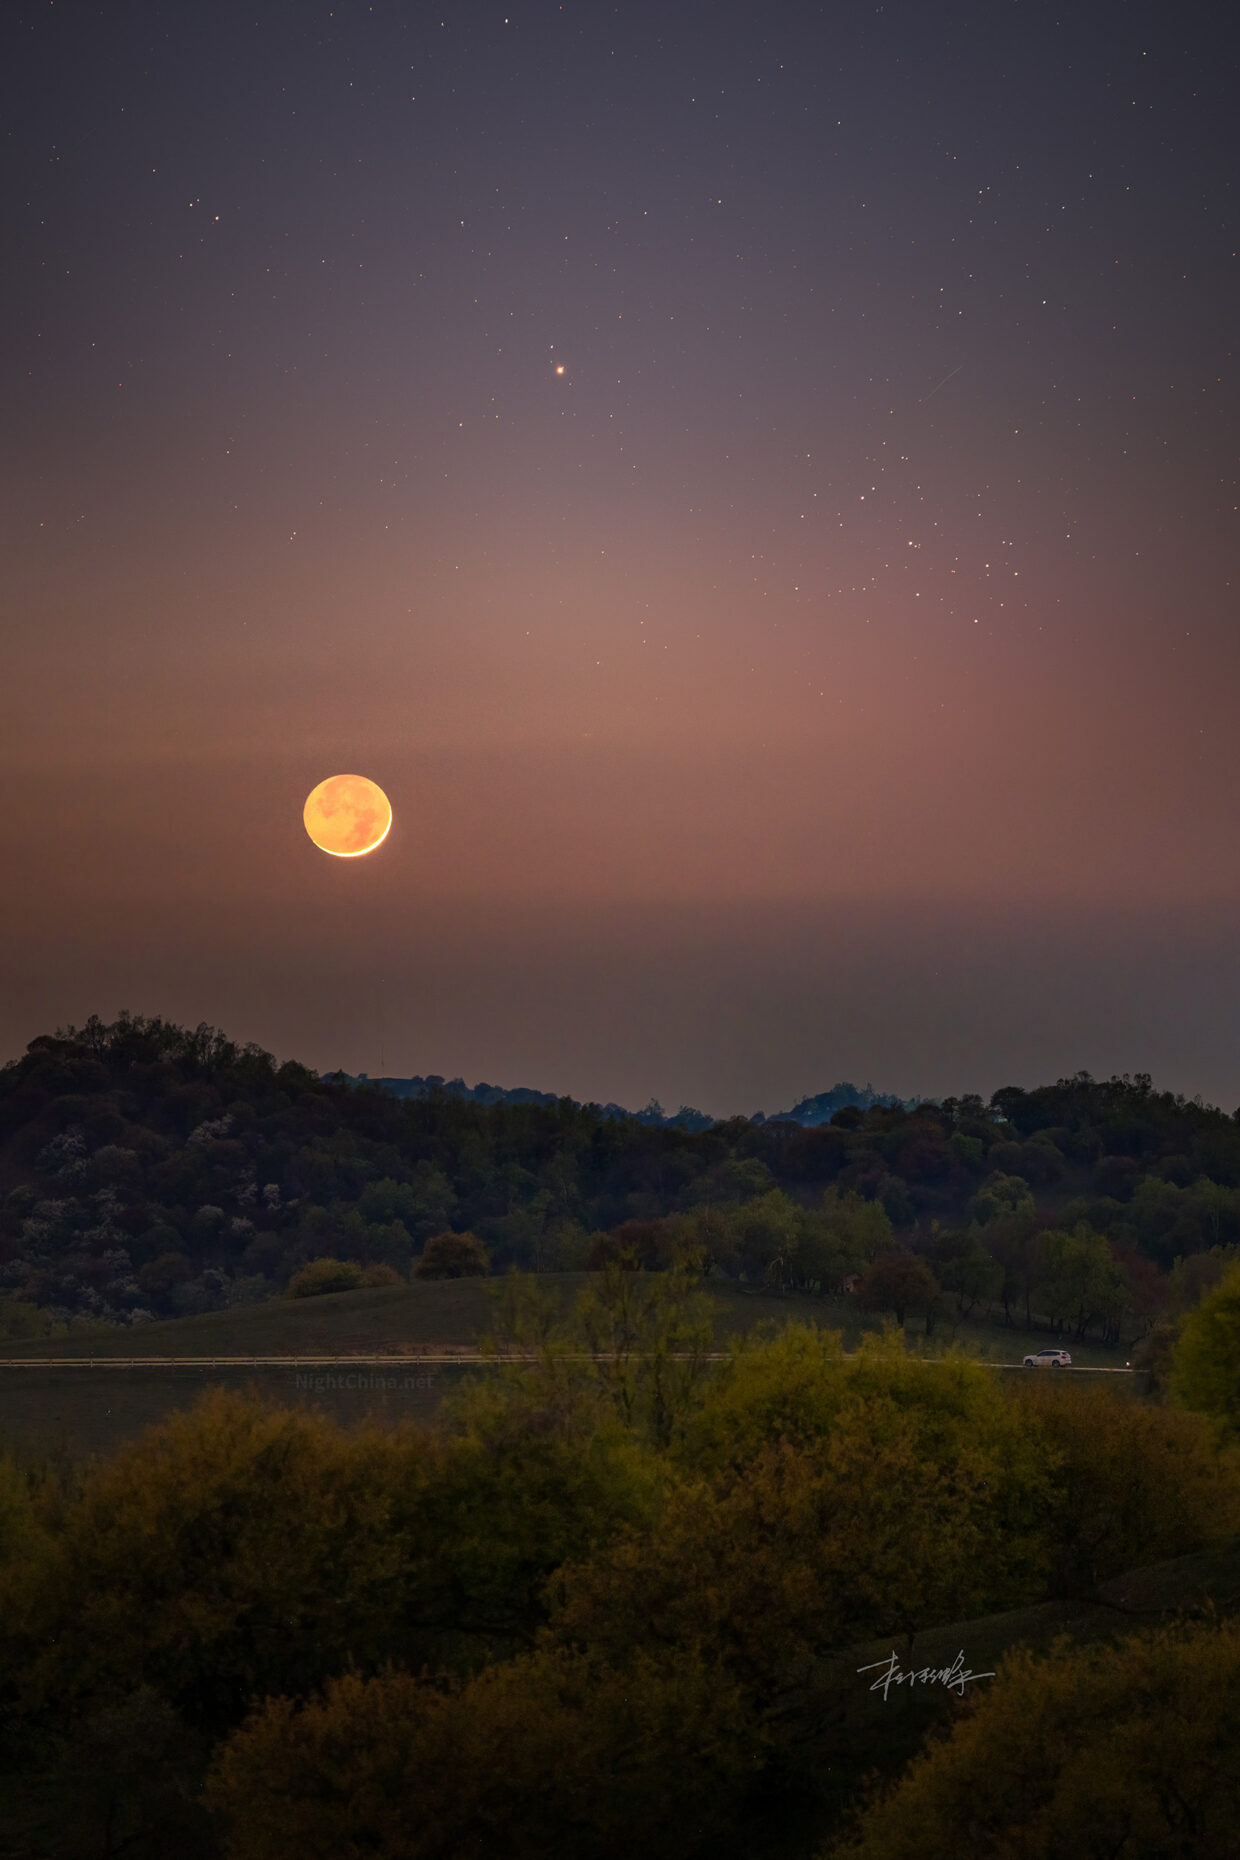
(1132, 1483)
(453, 1256)
(1206, 1366)
(1130, 1751)
(603, 1604)
(325, 1275)
(555, 1753)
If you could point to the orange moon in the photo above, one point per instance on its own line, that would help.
(346, 815)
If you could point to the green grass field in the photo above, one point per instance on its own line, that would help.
(78, 1414)
(84, 1411)
(458, 1311)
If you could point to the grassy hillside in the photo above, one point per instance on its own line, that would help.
(72, 1414)
(457, 1312)
(383, 1318)
(88, 1410)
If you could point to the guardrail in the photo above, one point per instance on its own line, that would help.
(467, 1359)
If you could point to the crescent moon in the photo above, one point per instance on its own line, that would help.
(347, 816)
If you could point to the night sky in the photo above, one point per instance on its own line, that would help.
(756, 485)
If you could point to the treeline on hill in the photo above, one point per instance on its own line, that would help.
(615, 1600)
(147, 1170)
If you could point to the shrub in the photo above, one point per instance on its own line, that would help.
(453, 1256)
(325, 1275)
(20, 1319)
(381, 1275)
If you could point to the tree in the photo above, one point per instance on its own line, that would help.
(649, 1335)
(998, 1196)
(1134, 1484)
(232, 1550)
(1079, 1279)
(453, 1256)
(636, 1345)
(1154, 1356)
(1198, 1273)
(23, 1537)
(161, 1275)
(539, 1470)
(1166, 1220)
(1144, 1290)
(552, 1753)
(1011, 1240)
(898, 1281)
(126, 1778)
(650, 1245)
(1130, 1752)
(767, 1234)
(423, 1206)
(239, 1551)
(1206, 1369)
(966, 1269)
(840, 1237)
(895, 1200)
(822, 1500)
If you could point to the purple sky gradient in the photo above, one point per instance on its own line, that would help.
(833, 673)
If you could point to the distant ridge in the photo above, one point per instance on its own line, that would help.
(808, 1111)
(822, 1108)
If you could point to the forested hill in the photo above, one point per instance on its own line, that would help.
(149, 1169)
(816, 1110)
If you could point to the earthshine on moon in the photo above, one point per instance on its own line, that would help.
(346, 815)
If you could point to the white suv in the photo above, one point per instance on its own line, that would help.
(1049, 1359)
